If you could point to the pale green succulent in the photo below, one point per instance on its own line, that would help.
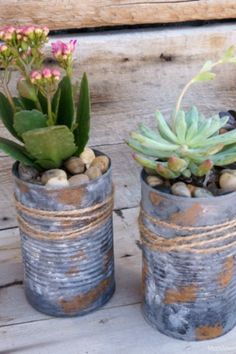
(191, 144)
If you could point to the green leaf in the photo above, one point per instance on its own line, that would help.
(81, 132)
(204, 76)
(152, 144)
(229, 54)
(43, 102)
(207, 66)
(50, 146)
(55, 103)
(27, 90)
(6, 114)
(135, 145)
(29, 120)
(164, 128)
(28, 104)
(180, 126)
(16, 151)
(65, 114)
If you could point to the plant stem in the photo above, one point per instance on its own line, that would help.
(6, 89)
(50, 118)
(177, 107)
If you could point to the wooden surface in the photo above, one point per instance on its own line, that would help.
(129, 80)
(66, 14)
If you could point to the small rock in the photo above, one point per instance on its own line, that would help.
(102, 162)
(57, 182)
(74, 165)
(87, 156)
(154, 181)
(57, 173)
(93, 172)
(223, 131)
(227, 180)
(77, 180)
(201, 193)
(180, 189)
(27, 173)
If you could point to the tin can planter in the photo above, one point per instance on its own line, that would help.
(189, 250)
(67, 245)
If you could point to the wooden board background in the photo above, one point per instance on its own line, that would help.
(65, 14)
(131, 74)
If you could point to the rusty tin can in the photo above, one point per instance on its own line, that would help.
(189, 250)
(67, 245)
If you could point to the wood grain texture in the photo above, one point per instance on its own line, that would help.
(66, 14)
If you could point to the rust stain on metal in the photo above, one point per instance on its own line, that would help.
(226, 275)
(22, 187)
(81, 302)
(208, 332)
(107, 258)
(187, 217)
(79, 256)
(144, 275)
(155, 198)
(71, 271)
(183, 294)
(71, 197)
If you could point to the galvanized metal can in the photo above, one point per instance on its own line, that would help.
(189, 250)
(67, 245)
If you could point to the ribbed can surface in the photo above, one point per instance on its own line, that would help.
(189, 250)
(67, 245)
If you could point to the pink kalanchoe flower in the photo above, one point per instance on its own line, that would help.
(3, 48)
(46, 73)
(60, 48)
(35, 76)
(56, 74)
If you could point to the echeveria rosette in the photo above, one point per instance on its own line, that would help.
(191, 144)
(45, 116)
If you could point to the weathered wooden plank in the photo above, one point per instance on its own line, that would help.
(132, 74)
(125, 176)
(95, 13)
(114, 330)
(14, 307)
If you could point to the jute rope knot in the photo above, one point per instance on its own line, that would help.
(77, 222)
(199, 240)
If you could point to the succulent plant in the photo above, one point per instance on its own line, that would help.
(191, 144)
(45, 117)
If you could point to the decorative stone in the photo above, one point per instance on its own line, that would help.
(180, 189)
(93, 172)
(102, 162)
(57, 182)
(27, 173)
(54, 173)
(227, 180)
(201, 193)
(87, 156)
(154, 181)
(77, 180)
(74, 165)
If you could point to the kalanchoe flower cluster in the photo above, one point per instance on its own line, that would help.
(24, 35)
(63, 53)
(49, 117)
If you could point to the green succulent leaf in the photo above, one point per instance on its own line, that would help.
(65, 114)
(145, 162)
(180, 126)
(7, 114)
(81, 131)
(16, 151)
(55, 103)
(28, 104)
(207, 66)
(135, 145)
(204, 76)
(164, 128)
(164, 171)
(229, 54)
(50, 146)
(29, 120)
(152, 144)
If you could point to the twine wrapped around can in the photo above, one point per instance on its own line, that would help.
(189, 250)
(67, 245)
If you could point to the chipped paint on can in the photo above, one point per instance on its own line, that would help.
(67, 276)
(189, 290)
